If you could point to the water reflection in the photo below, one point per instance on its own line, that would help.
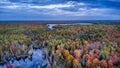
(36, 61)
(50, 26)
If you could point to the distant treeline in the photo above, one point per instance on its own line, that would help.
(66, 21)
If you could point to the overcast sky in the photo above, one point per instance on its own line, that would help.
(59, 10)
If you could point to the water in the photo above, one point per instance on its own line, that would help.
(37, 60)
(50, 26)
(35, 63)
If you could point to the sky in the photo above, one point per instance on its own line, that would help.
(11, 10)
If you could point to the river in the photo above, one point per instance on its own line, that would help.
(50, 26)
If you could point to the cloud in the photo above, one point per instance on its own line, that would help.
(83, 12)
(68, 9)
(24, 5)
(53, 6)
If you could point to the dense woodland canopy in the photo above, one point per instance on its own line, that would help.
(72, 46)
